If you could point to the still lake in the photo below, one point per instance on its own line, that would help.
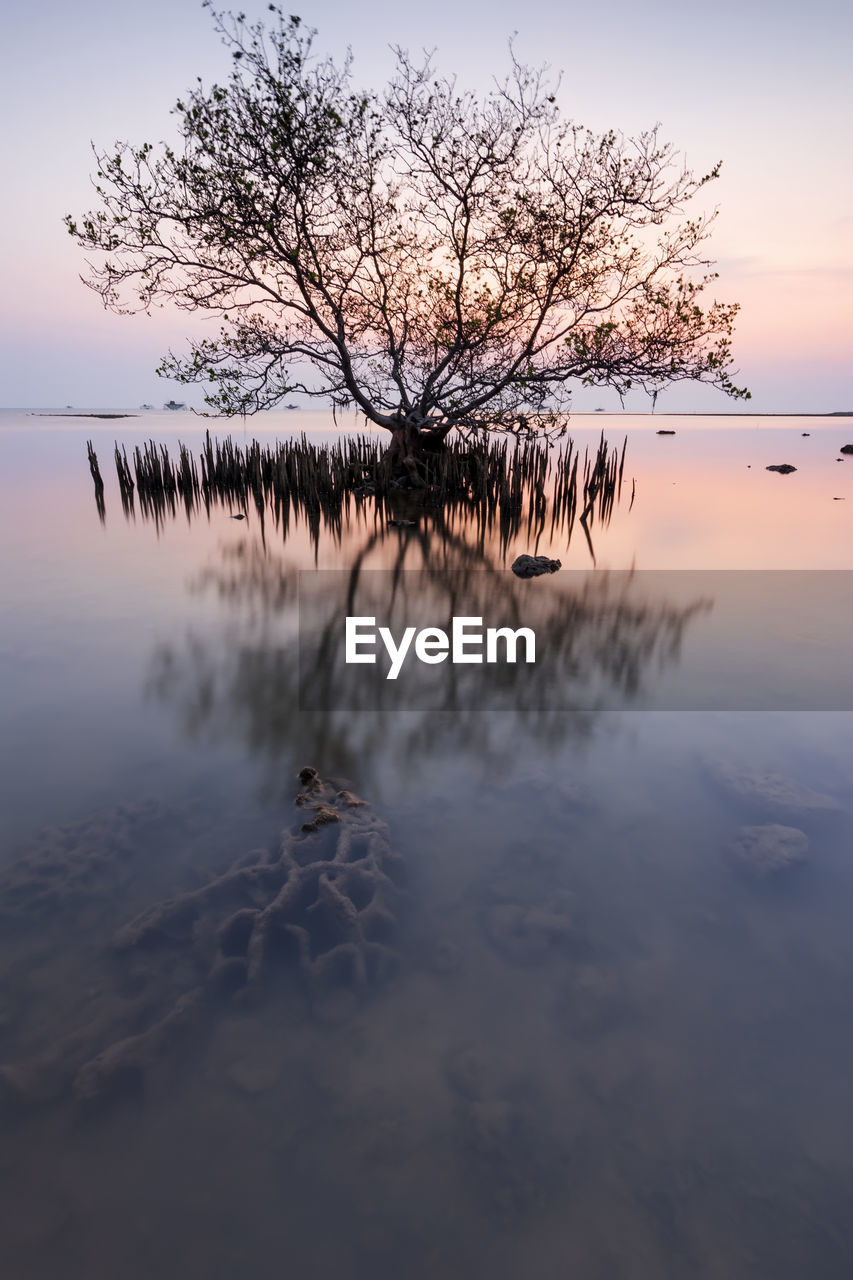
(609, 1044)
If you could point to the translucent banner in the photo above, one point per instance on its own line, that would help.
(575, 640)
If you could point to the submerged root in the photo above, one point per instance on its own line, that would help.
(323, 903)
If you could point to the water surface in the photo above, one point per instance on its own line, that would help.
(606, 1047)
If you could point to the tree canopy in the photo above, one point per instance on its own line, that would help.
(434, 257)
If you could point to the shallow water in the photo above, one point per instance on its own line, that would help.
(606, 1048)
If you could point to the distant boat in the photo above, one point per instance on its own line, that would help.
(291, 406)
(172, 404)
(146, 406)
(599, 411)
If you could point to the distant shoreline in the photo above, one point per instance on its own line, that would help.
(674, 413)
(578, 413)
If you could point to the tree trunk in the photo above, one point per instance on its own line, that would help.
(407, 455)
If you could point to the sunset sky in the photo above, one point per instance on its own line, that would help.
(763, 87)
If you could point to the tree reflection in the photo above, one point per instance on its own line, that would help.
(604, 634)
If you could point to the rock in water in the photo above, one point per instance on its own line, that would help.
(765, 851)
(783, 468)
(528, 934)
(533, 566)
(663, 432)
(773, 790)
(847, 448)
(78, 862)
(506, 1145)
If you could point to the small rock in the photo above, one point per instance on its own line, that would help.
(783, 468)
(533, 566)
(846, 448)
(239, 516)
(806, 433)
(765, 851)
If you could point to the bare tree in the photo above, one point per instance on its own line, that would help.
(434, 258)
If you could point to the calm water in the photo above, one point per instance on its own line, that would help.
(606, 1046)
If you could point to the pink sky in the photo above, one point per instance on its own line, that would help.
(767, 95)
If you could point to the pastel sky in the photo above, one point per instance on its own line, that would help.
(764, 87)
